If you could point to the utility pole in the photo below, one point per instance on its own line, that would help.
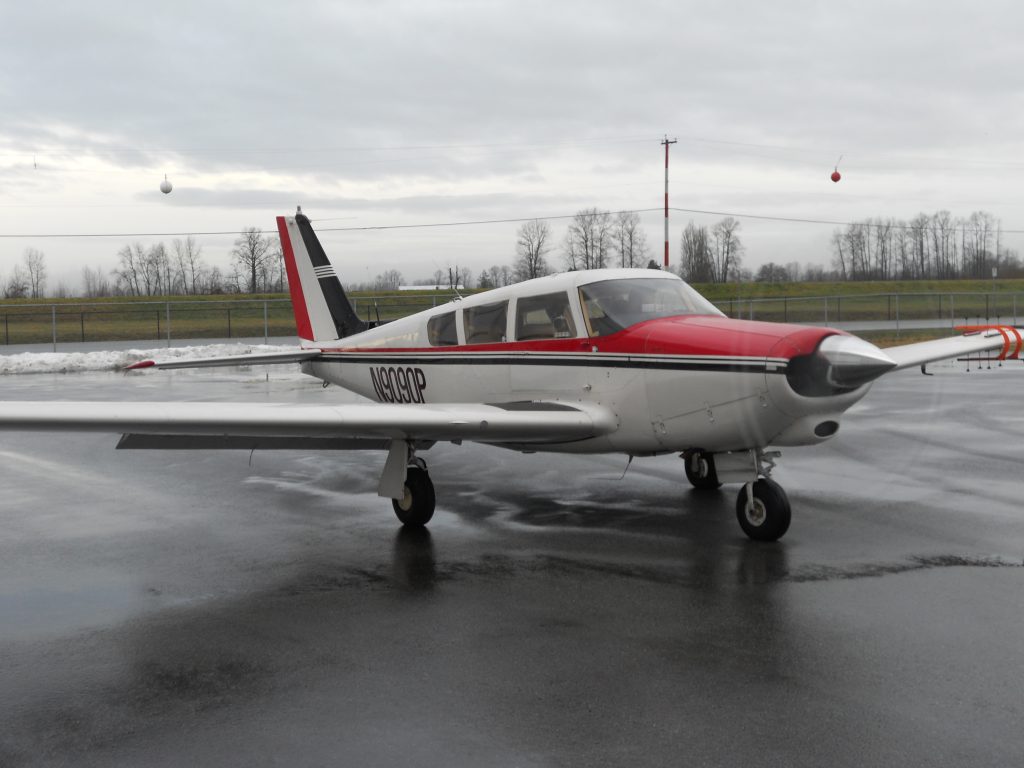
(666, 141)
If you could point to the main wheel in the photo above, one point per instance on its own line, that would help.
(416, 506)
(769, 514)
(700, 470)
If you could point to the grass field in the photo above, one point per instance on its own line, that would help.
(127, 318)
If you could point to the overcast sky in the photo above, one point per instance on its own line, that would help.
(395, 113)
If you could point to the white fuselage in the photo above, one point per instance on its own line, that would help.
(665, 399)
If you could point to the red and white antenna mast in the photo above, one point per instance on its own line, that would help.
(666, 141)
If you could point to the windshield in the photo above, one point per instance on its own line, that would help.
(612, 305)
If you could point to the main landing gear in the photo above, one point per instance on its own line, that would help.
(416, 506)
(762, 507)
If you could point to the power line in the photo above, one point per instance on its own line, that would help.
(517, 220)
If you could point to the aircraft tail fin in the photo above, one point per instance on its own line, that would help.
(322, 310)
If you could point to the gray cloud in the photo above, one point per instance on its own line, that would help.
(501, 93)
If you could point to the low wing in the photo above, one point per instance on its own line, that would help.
(1005, 340)
(287, 425)
(267, 358)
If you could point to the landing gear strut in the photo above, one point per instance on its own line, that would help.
(416, 506)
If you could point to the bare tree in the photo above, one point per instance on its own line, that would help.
(249, 253)
(155, 270)
(532, 245)
(188, 264)
(459, 276)
(727, 248)
(35, 272)
(588, 240)
(131, 259)
(696, 264)
(388, 281)
(95, 282)
(17, 285)
(630, 240)
(277, 272)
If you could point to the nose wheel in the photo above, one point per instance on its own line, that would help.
(763, 511)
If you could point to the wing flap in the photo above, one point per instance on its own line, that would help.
(448, 421)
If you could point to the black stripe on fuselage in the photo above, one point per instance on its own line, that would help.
(583, 360)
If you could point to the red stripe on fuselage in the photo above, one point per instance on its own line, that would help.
(691, 335)
(302, 324)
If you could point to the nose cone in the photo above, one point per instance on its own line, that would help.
(852, 361)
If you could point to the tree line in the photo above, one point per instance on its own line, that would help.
(256, 266)
(936, 246)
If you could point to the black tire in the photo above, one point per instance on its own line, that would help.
(771, 514)
(416, 507)
(700, 470)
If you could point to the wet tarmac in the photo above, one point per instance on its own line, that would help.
(167, 608)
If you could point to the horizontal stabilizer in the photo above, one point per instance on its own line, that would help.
(267, 358)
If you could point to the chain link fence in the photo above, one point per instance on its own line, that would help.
(166, 321)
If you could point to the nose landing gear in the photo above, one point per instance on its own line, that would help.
(763, 510)
(762, 507)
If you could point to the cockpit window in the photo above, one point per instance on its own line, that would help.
(485, 324)
(613, 305)
(544, 317)
(441, 330)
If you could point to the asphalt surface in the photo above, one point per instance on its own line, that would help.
(167, 608)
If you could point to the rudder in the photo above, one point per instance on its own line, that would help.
(322, 310)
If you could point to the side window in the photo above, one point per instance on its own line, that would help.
(544, 317)
(485, 324)
(441, 330)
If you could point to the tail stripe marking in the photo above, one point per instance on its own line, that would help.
(302, 324)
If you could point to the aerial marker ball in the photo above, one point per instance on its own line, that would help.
(165, 186)
(835, 176)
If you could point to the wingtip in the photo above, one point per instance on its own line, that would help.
(139, 365)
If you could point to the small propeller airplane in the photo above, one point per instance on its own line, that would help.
(627, 361)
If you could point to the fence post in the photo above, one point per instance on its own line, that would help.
(229, 322)
(81, 322)
(826, 310)
(53, 310)
(785, 310)
(839, 309)
(158, 325)
(897, 315)
(7, 329)
(168, 324)
(266, 330)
